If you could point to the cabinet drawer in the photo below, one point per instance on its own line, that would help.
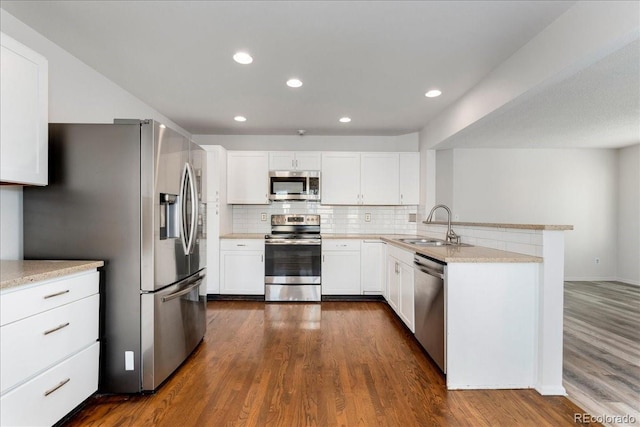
(241, 245)
(50, 396)
(400, 254)
(33, 344)
(24, 301)
(341, 245)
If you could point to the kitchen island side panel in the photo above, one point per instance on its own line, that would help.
(491, 325)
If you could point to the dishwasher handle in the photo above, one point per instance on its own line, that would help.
(428, 266)
(429, 271)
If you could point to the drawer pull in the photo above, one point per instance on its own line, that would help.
(56, 294)
(51, 390)
(57, 328)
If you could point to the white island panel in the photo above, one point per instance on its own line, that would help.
(491, 318)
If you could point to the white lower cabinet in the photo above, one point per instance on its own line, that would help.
(242, 266)
(49, 349)
(373, 266)
(406, 310)
(51, 395)
(393, 283)
(400, 284)
(341, 267)
(40, 341)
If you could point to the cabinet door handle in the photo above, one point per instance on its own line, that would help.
(56, 294)
(240, 244)
(57, 328)
(323, 258)
(60, 384)
(261, 258)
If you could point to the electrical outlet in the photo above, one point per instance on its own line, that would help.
(367, 217)
(263, 216)
(597, 260)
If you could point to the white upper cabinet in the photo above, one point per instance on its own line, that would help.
(361, 178)
(248, 177)
(294, 161)
(379, 179)
(24, 114)
(409, 178)
(340, 178)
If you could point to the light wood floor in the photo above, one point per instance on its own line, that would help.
(602, 347)
(329, 364)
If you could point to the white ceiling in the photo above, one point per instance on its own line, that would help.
(372, 61)
(596, 107)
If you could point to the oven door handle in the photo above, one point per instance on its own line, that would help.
(293, 242)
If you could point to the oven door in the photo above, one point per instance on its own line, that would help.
(293, 261)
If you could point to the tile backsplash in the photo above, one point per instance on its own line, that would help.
(334, 219)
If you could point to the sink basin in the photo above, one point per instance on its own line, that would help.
(429, 242)
(425, 242)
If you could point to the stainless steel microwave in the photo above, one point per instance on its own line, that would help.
(294, 185)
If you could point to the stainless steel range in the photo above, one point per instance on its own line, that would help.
(293, 253)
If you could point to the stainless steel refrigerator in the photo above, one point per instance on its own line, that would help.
(129, 193)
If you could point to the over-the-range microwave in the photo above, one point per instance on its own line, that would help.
(294, 185)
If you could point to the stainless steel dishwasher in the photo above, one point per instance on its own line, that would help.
(429, 307)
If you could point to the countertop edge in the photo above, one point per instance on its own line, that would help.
(498, 257)
(550, 227)
(22, 272)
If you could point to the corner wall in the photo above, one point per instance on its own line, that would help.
(628, 266)
(541, 186)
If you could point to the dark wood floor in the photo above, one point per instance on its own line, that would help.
(602, 347)
(329, 364)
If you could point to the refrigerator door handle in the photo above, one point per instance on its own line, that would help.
(194, 208)
(183, 225)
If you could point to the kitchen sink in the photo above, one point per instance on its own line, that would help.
(429, 242)
(425, 242)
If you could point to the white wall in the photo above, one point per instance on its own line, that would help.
(77, 94)
(541, 186)
(629, 214)
(10, 222)
(408, 142)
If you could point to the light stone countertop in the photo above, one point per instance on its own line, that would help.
(465, 254)
(17, 272)
(448, 254)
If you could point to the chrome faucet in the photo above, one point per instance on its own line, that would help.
(452, 237)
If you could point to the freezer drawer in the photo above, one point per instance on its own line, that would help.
(173, 323)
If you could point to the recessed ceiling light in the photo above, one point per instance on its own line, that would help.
(433, 93)
(240, 119)
(345, 119)
(294, 83)
(242, 58)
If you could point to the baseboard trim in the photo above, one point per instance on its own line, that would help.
(551, 390)
(602, 279)
(590, 279)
